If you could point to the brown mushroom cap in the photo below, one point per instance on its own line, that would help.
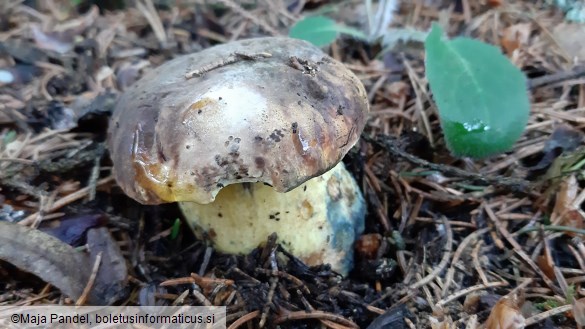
(280, 119)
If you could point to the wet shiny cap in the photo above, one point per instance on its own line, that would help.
(272, 110)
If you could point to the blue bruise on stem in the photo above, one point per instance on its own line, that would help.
(481, 96)
(346, 215)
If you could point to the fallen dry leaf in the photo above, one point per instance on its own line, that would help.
(565, 212)
(564, 139)
(516, 36)
(72, 230)
(544, 263)
(111, 281)
(47, 257)
(506, 314)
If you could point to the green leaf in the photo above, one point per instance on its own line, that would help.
(175, 229)
(321, 31)
(481, 96)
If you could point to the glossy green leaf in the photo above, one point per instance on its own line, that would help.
(321, 31)
(481, 96)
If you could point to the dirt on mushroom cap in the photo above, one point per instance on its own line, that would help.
(272, 110)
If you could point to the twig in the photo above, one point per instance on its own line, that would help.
(198, 280)
(95, 172)
(444, 261)
(18, 183)
(517, 185)
(149, 12)
(554, 228)
(427, 294)
(556, 77)
(462, 245)
(245, 275)
(66, 200)
(520, 287)
(300, 284)
(518, 249)
(409, 323)
(419, 90)
(91, 281)
(200, 297)
(272, 290)
(181, 299)
(244, 319)
(319, 315)
(544, 315)
(233, 58)
(466, 291)
(206, 259)
(476, 263)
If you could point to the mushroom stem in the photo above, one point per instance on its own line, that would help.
(317, 222)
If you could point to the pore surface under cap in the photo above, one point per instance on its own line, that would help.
(280, 120)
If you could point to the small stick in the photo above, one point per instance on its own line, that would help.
(542, 316)
(477, 264)
(233, 58)
(303, 65)
(244, 319)
(518, 249)
(272, 290)
(462, 245)
(468, 290)
(79, 194)
(86, 291)
(95, 172)
(516, 184)
(206, 259)
(444, 261)
(289, 277)
(556, 78)
(320, 315)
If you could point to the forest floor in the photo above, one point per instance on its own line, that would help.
(448, 241)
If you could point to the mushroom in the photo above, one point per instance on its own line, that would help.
(248, 137)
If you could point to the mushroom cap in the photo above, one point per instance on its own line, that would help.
(280, 119)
